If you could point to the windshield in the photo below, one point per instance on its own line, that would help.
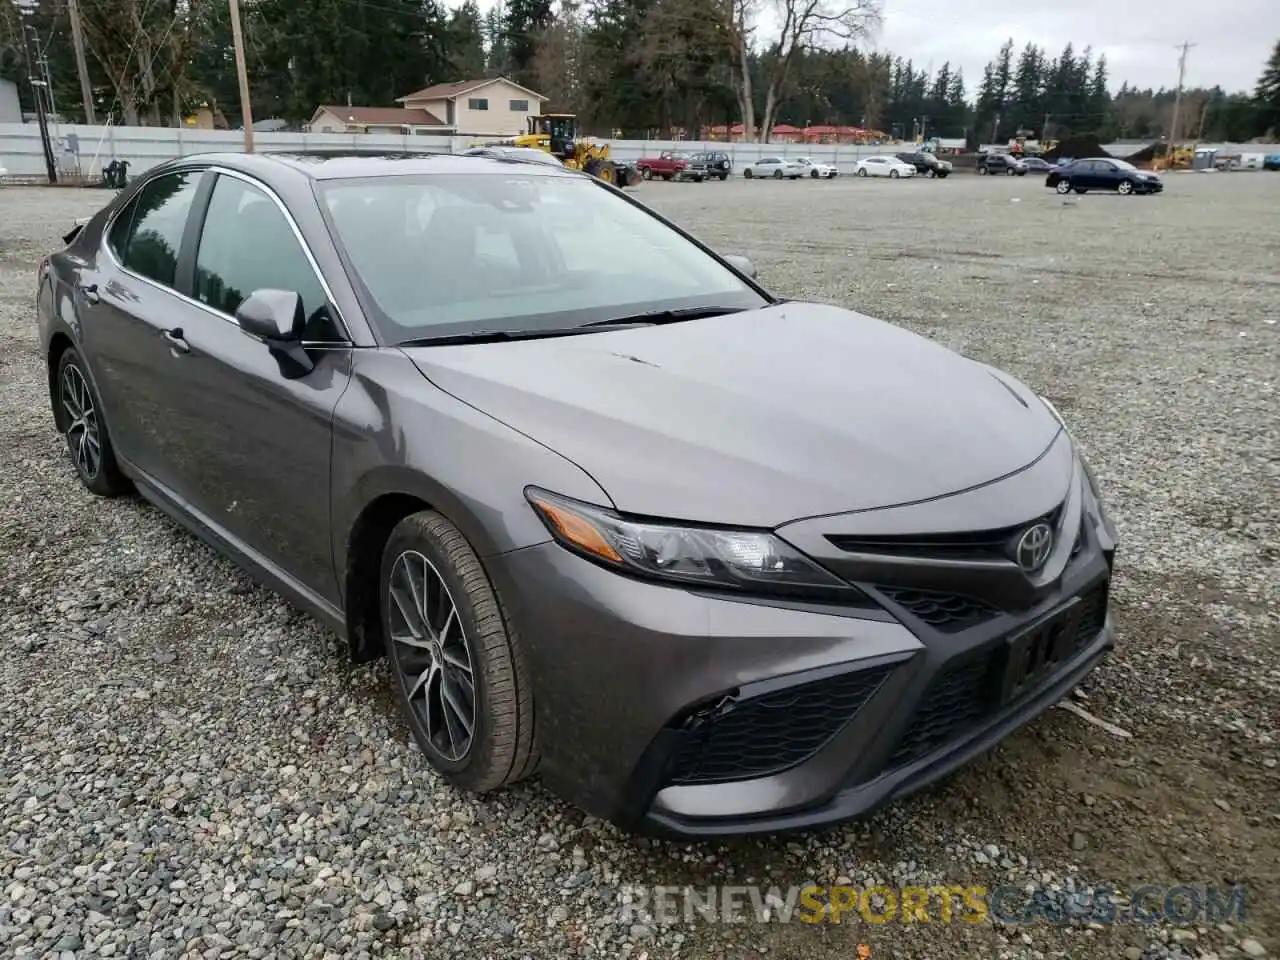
(450, 254)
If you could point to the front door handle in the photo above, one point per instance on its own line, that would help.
(176, 342)
(90, 291)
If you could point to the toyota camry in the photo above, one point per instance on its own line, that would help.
(708, 560)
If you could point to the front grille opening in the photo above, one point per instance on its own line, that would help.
(947, 612)
(968, 545)
(736, 739)
(961, 695)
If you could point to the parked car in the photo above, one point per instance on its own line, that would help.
(997, 163)
(716, 163)
(1038, 165)
(409, 394)
(669, 165)
(882, 166)
(818, 171)
(1119, 176)
(1271, 161)
(775, 167)
(926, 164)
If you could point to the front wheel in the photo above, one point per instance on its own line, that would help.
(724, 177)
(1011, 171)
(80, 420)
(777, 174)
(930, 174)
(814, 174)
(893, 174)
(1126, 187)
(457, 664)
(983, 171)
(646, 173)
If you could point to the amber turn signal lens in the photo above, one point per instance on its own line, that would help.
(578, 531)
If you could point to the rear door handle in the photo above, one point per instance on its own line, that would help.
(176, 342)
(90, 291)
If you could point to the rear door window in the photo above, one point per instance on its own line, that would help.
(148, 236)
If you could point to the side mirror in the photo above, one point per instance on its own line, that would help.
(741, 264)
(276, 317)
(272, 315)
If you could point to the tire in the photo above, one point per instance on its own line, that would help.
(930, 174)
(746, 173)
(893, 174)
(1125, 187)
(777, 174)
(862, 171)
(80, 420)
(1063, 186)
(724, 177)
(668, 176)
(502, 747)
(646, 173)
(814, 174)
(1010, 171)
(983, 171)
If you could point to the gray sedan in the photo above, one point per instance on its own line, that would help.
(711, 561)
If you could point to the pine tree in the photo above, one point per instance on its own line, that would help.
(1267, 94)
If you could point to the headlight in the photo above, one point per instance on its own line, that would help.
(744, 560)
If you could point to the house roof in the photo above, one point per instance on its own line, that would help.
(382, 115)
(451, 91)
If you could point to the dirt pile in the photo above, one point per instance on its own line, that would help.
(1076, 148)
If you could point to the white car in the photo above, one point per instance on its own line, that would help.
(819, 171)
(890, 167)
(777, 168)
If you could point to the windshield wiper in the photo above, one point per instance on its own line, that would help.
(498, 336)
(667, 316)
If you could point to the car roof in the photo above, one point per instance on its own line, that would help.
(343, 164)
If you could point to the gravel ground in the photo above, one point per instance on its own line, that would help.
(190, 769)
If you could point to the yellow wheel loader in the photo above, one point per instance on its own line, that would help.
(557, 134)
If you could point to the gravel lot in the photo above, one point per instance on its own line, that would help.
(190, 769)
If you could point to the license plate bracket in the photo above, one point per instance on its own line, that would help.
(1034, 652)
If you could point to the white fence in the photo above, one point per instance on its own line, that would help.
(85, 149)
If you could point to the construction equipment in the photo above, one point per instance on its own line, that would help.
(557, 134)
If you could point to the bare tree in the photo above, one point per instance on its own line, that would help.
(806, 24)
(735, 23)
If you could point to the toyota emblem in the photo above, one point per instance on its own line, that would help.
(1034, 547)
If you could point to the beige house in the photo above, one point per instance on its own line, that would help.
(479, 108)
(394, 120)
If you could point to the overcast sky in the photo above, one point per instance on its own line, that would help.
(1233, 38)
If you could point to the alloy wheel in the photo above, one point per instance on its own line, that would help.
(83, 437)
(1126, 186)
(433, 655)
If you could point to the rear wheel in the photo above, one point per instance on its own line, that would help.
(747, 173)
(457, 663)
(724, 177)
(646, 173)
(930, 174)
(777, 174)
(1010, 171)
(862, 171)
(983, 171)
(1063, 186)
(79, 418)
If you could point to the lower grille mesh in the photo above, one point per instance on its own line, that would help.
(767, 734)
(948, 612)
(962, 694)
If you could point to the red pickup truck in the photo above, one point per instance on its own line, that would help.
(669, 165)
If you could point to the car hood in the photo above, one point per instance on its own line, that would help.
(756, 418)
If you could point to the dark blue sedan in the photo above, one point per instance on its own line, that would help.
(1118, 176)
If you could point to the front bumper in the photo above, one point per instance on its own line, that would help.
(689, 714)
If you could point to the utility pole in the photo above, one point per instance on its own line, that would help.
(1044, 131)
(82, 66)
(25, 11)
(1177, 98)
(246, 110)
